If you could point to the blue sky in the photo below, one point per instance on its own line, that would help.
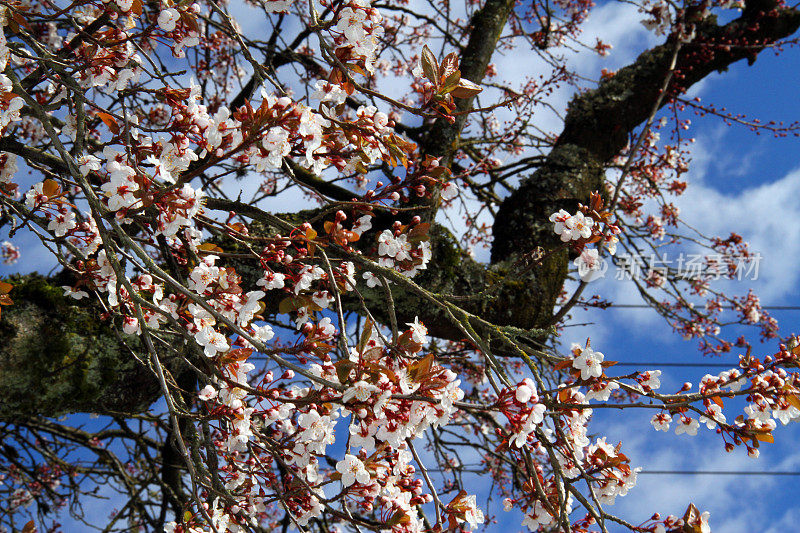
(740, 182)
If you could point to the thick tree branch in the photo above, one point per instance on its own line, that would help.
(599, 122)
(441, 139)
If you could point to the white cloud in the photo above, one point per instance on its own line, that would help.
(787, 522)
(764, 215)
(619, 25)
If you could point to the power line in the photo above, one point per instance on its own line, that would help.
(646, 306)
(778, 473)
(696, 365)
(720, 472)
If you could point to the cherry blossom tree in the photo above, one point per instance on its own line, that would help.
(265, 216)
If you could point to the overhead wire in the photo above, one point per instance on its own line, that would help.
(646, 306)
(721, 472)
(696, 365)
(776, 473)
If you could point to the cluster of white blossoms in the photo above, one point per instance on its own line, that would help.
(772, 397)
(328, 93)
(376, 123)
(173, 20)
(532, 414)
(560, 433)
(294, 125)
(112, 67)
(397, 252)
(375, 401)
(10, 107)
(360, 26)
(214, 284)
(311, 130)
(121, 185)
(234, 397)
(177, 211)
(572, 227)
(588, 361)
(611, 482)
(579, 226)
(376, 466)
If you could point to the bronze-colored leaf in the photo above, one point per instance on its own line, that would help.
(209, 247)
(429, 65)
(450, 82)
(50, 188)
(793, 400)
(419, 370)
(366, 334)
(466, 89)
(765, 437)
(398, 518)
(109, 121)
(343, 369)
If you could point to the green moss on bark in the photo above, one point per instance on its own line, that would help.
(57, 357)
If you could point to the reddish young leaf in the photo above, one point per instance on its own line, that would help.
(449, 65)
